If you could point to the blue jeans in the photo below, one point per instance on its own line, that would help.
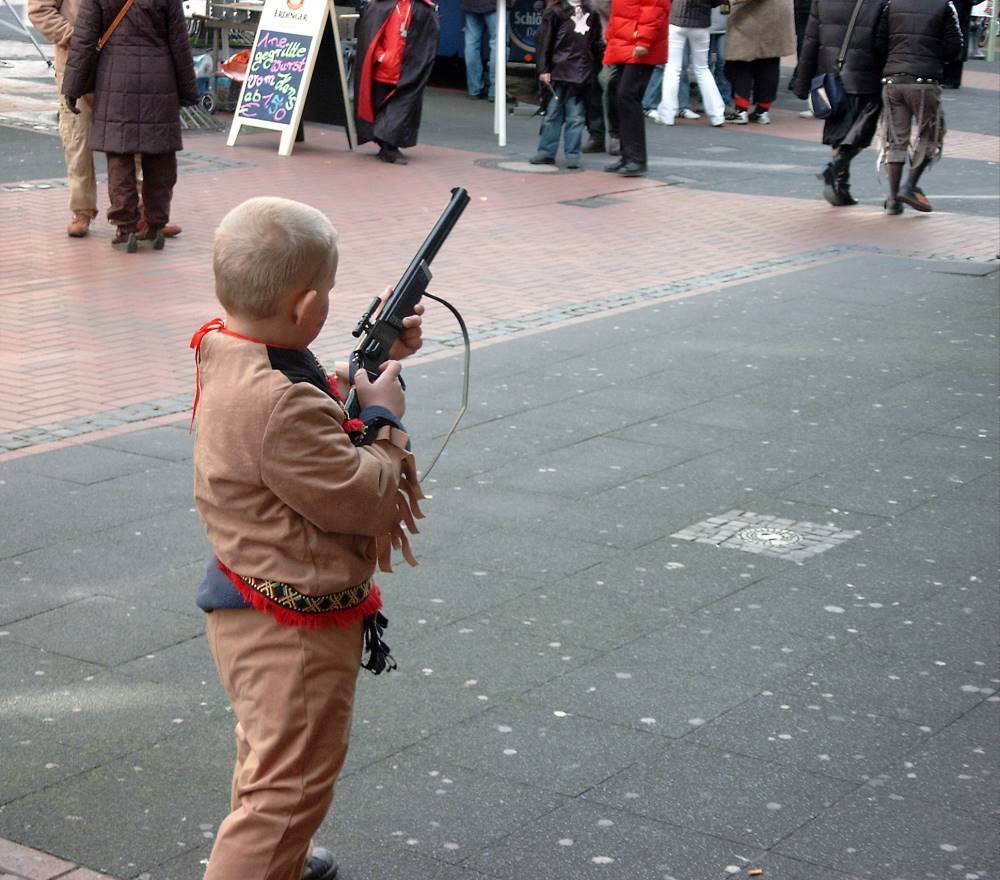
(568, 111)
(717, 64)
(476, 24)
(653, 93)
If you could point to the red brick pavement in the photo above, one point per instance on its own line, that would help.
(86, 329)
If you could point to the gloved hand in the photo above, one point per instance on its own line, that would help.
(71, 103)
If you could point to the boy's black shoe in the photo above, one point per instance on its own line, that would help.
(632, 169)
(321, 865)
(616, 166)
(542, 159)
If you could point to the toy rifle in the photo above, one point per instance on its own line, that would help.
(378, 336)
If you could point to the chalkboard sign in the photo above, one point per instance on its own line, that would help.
(274, 77)
(292, 44)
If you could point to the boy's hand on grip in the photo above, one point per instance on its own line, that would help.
(410, 340)
(385, 391)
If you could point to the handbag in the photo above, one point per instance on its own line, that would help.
(826, 91)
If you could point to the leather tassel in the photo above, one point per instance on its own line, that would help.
(379, 657)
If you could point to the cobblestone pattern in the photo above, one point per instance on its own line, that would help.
(727, 530)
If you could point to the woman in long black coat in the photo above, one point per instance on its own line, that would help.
(850, 130)
(140, 79)
(397, 42)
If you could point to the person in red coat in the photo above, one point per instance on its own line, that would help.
(636, 42)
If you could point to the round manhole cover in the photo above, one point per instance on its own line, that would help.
(769, 537)
(526, 167)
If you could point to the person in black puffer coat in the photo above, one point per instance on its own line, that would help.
(918, 38)
(852, 129)
(140, 80)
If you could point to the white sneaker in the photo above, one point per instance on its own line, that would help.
(688, 113)
(742, 117)
(661, 119)
(649, 114)
(806, 114)
(717, 120)
(762, 116)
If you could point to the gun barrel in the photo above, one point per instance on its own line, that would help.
(432, 244)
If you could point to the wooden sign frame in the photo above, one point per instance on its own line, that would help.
(298, 18)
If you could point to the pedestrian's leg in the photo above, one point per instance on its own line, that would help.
(654, 90)
(718, 65)
(634, 79)
(474, 27)
(766, 73)
(548, 139)
(611, 97)
(666, 112)
(595, 119)
(576, 122)
(842, 173)
(684, 84)
(711, 99)
(122, 194)
(74, 131)
(292, 690)
(491, 27)
(925, 102)
(896, 123)
(159, 176)
(740, 74)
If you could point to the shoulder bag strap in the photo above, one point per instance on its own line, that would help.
(847, 37)
(128, 4)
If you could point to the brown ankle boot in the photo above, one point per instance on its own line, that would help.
(171, 230)
(79, 226)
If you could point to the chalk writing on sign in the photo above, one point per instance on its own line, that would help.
(274, 77)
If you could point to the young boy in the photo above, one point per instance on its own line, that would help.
(299, 503)
(568, 60)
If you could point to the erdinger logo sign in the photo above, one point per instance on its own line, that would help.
(295, 4)
(525, 19)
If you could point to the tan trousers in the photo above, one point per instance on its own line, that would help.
(292, 690)
(74, 131)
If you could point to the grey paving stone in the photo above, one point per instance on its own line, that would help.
(104, 630)
(777, 867)
(583, 841)
(395, 711)
(25, 669)
(806, 733)
(588, 467)
(84, 464)
(672, 430)
(874, 835)
(856, 492)
(190, 865)
(117, 561)
(129, 813)
(189, 661)
(427, 803)
(361, 861)
(538, 743)
(523, 554)
(908, 689)
(171, 442)
(502, 662)
(957, 768)
(732, 796)
(620, 689)
(725, 648)
(958, 628)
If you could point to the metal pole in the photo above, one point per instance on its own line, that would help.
(500, 77)
(991, 40)
(25, 30)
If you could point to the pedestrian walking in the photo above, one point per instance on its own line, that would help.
(689, 26)
(636, 42)
(758, 34)
(917, 39)
(654, 90)
(851, 128)
(298, 503)
(568, 57)
(140, 79)
(479, 22)
(397, 44)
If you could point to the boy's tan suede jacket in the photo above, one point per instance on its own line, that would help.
(282, 491)
(54, 20)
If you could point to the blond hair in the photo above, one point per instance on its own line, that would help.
(266, 248)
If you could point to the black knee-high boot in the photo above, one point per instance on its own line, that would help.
(842, 175)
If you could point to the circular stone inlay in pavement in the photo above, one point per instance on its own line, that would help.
(766, 537)
(527, 168)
